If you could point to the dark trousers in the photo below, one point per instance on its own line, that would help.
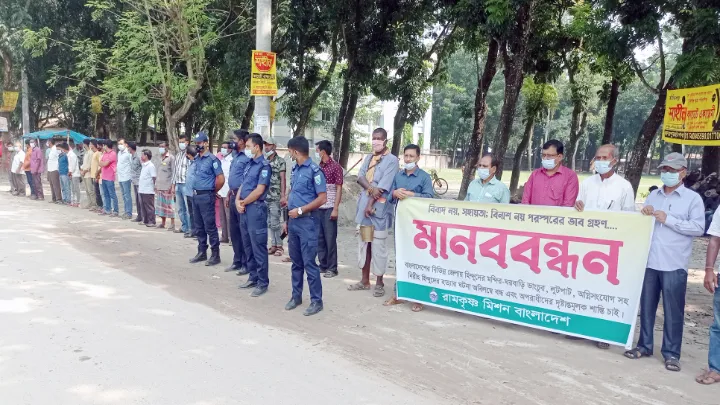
(672, 285)
(37, 180)
(30, 183)
(235, 233)
(98, 194)
(327, 241)
(138, 203)
(148, 208)
(204, 220)
(253, 225)
(192, 230)
(303, 245)
(55, 189)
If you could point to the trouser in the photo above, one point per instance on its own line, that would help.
(98, 194)
(253, 225)
(90, 190)
(204, 212)
(110, 199)
(191, 214)
(302, 244)
(182, 207)
(147, 202)
(138, 204)
(37, 180)
(76, 190)
(55, 188)
(66, 189)
(672, 285)
(224, 220)
(714, 347)
(17, 183)
(235, 233)
(275, 223)
(30, 183)
(125, 187)
(327, 241)
(379, 254)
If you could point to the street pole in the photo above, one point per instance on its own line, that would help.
(25, 102)
(263, 39)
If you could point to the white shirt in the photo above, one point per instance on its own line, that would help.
(73, 163)
(612, 194)
(226, 171)
(671, 243)
(52, 163)
(124, 165)
(714, 229)
(17, 162)
(146, 185)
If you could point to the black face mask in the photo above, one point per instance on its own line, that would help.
(200, 148)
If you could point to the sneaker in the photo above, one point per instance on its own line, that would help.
(114, 215)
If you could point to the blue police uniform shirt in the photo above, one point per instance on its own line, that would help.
(257, 172)
(306, 182)
(237, 171)
(207, 168)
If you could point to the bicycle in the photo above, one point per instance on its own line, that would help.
(440, 185)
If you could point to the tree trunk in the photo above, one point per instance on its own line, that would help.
(399, 122)
(347, 128)
(636, 161)
(514, 60)
(142, 138)
(515, 176)
(610, 113)
(247, 116)
(576, 133)
(710, 159)
(476, 140)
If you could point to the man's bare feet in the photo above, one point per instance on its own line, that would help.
(392, 301)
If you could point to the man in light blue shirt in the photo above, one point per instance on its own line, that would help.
(679, 217)
(124, 176)
(486, 188)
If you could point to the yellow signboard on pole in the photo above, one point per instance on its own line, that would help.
(263, 78)
(692, 116)
(10, 99)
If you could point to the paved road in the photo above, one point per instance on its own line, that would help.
(75, 331)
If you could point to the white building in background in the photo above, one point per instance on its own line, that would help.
(387, 109)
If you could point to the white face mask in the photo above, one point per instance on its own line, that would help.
(317, 157)
(602, 166)
(224, 151)
(161, 150)
(121, 148)
(410, 166)
(182, 145)
(483, 173)
(248, 153)
(32, 144)
(548, 164)
(268, 153)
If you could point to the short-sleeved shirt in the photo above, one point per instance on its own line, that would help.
(334, 178)
(714, 229)
(165, 172)
(257, 172)
(124, 166)
(495, 191)
(136, 167)
(278, 165)
(226, 162)
(145, 183)
(307, 182)
(558, 190)
(207, 167)
(108, 172)
(63, 164)
(237, 171)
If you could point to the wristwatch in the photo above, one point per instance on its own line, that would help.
(299, 210)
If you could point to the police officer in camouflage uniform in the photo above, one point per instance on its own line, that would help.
(274, 196)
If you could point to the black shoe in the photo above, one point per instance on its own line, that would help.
(214, 258)
(232, 267)
(330, 274)
(248, 284)
(258, 291)
(313, 309)
(292, 304)
(188, 236)
(201, 256)
(137, 220)
(243, 271)
(323, 271)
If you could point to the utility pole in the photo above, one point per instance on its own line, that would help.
(25, 102)
(263, 39)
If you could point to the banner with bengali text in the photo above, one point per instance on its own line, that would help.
(692, 116)
(575, 273)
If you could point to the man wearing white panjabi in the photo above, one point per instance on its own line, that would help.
(606, 190)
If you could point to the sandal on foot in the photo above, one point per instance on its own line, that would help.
(603, 345)
(358, 287)
(635, 354)
(272, 250)
(279, 251)
(287, 260)
(708, 378)
(417, 307)
(672, 364)
(392, 301)
(379, 291)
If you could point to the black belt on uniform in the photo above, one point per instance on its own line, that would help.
(201, 192)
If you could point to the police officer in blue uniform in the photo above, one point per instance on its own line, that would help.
(253, 215)
(235, 180)
(307, 194)
(208, 180)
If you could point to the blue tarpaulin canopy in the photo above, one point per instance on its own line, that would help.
(59, 133)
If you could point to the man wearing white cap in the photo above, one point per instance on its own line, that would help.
(679, 217)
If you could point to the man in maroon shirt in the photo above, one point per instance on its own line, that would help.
(37, 167)
(328, 212)
(553, 184)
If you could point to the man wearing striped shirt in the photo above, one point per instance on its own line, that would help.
(328, 212)
(178, 185)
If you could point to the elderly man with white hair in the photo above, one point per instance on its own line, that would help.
(606, 190)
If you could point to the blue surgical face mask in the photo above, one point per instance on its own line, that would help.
(670, 179)
(182, 145)
(483, 173)
(410, 166)
(268, 153)
(161, 150)
(248, 153)
(224, 151)
(602, 166)
(316, 157)
(548, 164)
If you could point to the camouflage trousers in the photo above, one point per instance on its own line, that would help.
(275, 223)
